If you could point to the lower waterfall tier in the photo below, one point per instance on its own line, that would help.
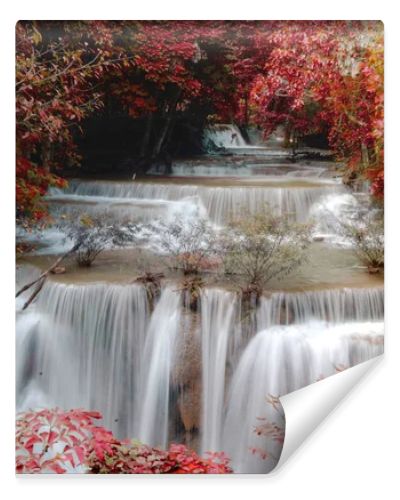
(162, 373)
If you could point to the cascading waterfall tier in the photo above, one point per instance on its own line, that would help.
(280, 360)
(269, 169)
(82, 346)
(217, 318)
(158, 359)
(101, 346)
(229, 138)
(219, 203)
(333, 305)
(225, 136)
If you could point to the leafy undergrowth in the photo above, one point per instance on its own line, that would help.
(56, 441)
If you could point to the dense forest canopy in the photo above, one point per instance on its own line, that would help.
(164, 81)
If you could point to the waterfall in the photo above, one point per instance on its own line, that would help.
(173, 374)
(331, 211)
(80, 346)
(206, 371)
(224, 136)
(333, 305)
(219, 202)
(217, 314)
(280, 360)
(229, 138)
(158, 359)
(96, 346)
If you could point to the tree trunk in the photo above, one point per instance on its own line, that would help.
(245, 134)
(47, 155)
(147, 135)
(169, 115)
(288, 132)
(364, 155)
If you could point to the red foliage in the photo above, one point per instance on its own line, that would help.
(56, 67)
(306, 75)
(130, 457)
(327, 75)
(32, 183)
(53, 441)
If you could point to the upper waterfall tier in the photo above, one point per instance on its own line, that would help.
(217, 202)
(225, 135)
(229, 138)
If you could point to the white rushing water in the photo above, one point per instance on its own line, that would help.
(273, 172)
(217, 316)
(99, 346)
(225, 136)
(337, 305)
(280, 360)
(229, 138)
(323, 205)
(158, 359)
(81, 346)
(219, 203)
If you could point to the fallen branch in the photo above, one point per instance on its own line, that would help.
(45, 273)
(35, 293)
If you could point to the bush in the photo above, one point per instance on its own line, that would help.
(92, 235)
(366, 233)
(52, 440)
(263, 246)
(136, 458)
(191, 246)
(55, 441)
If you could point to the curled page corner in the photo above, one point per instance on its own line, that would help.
(306, 408)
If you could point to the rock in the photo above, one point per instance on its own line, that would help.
(189, 405)
(58, 270)
(186, 374)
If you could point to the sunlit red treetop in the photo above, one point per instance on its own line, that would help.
(327, 75)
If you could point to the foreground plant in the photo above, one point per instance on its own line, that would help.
(56, 441)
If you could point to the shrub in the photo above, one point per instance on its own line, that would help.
(135, 458)
(55, 441)
(52, 440)
(366, 233)
(263, 246)
(94, 234)
(191, 246)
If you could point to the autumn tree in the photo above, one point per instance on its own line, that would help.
(327, 75)
(57, 67)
